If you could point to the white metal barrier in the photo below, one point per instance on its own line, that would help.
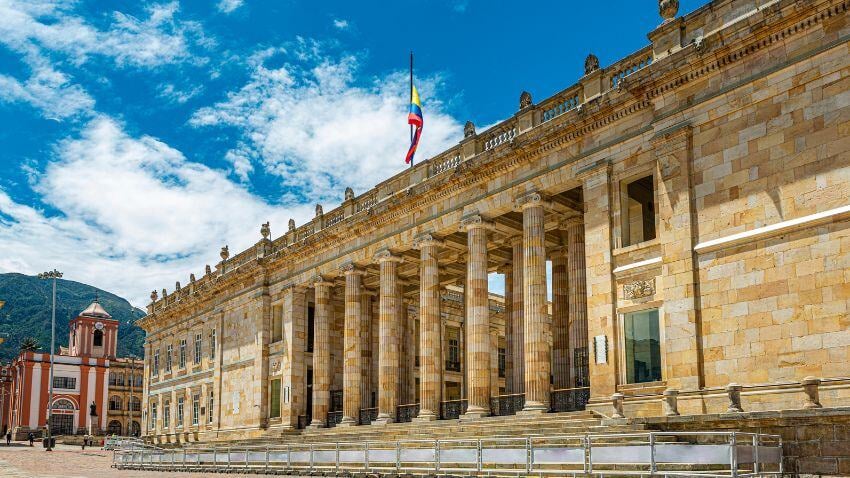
(704, 454)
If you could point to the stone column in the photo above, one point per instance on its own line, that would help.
(601, 300)
(388, 351)
(577, 284)
(537, 327)
(560, 321)
(508, 315)
(368, 364)
(679, 270)
(430, 355)
(517, 312)
(322, 353)
(477, 319)
(352, 347)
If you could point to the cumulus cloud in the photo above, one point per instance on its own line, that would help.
(227, 6)
(134, 214)
(313, 124)
(48, 90)
(341, 24)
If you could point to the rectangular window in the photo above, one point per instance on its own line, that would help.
(277, 323)
(452, 391)
(169, 351)
(274, 400)
(311, 327)
(153, 417)
(197, 356)
(166, 415)
(638, 211)
(501, 362)
(66, 383)
(155, 370)
(182, 361)
(196, 408)
(212, 344)
(453, 356)
(180, 412)
(642, 346)
(210, 408)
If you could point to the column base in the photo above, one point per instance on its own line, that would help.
(533, 408)
(382, 419)
(474, 413)
(316, 424)
(425, 416)
(347, 422)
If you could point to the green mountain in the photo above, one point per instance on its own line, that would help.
(28, 306)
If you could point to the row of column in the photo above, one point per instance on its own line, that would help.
(528, 322)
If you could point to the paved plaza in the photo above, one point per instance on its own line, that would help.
(21, 461)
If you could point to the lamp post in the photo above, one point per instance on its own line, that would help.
(54, 275)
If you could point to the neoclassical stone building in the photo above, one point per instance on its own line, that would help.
(692, 199)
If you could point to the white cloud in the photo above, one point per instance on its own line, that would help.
(228, 6)
(173, 93)
(310, 123)
(52, 25)
(48, 90)
(341, 24)
(135, 214)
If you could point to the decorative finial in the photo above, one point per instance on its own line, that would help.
(525, 100)
(319, 211)
(154, 296)
(177, 286)
(591, 64)
(164, 293)
(291, 225)
(668, 9)
(349, 194)
(468, 129)
(208, 269)
(225, 253)
(265, 230)
(191, 278)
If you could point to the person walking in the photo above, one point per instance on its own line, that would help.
(8, 437)
(31, 438)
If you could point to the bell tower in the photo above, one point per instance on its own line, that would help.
(93, 333)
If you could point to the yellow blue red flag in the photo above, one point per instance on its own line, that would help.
(414, 118)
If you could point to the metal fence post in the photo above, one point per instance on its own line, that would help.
(311, 457)
(215, 458)
(437, 455)
(397, 456)
(652, 466)
(366, 457)
(589, 465)
(733, 455)
(781, 458)
(289, 456)
(528, 452)
(246, 458)
(267, 458)
(336, 462)
(756, 464)
(480, 458)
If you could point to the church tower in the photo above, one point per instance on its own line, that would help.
(93, 333)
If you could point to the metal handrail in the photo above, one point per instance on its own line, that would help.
(480, 454)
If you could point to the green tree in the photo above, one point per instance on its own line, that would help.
(29, 344)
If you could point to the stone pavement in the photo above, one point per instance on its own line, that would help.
(21, 461)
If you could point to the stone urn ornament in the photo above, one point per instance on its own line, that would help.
(668, 9)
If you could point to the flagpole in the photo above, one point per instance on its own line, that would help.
(410, 90)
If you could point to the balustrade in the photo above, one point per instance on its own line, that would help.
(442, 166)
(499, 138)
(453, 409)
(569, 399)
(629, 68)
(561, 107)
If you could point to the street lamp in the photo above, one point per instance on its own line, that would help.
(54, 275)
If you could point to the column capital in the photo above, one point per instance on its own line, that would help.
(558, 252)
(474, 221)
(425, 240)
(386, 255)
(571, 222)
(532, 199)
(350, 268)
(319, 281)
(514, 240)
(505, 268)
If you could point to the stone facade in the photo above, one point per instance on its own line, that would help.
(693, 200)
(124, 405)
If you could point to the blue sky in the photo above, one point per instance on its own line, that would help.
(139, 137)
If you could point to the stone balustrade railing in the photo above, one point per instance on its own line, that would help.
(560, 104)
(504, 134)
(625, 67)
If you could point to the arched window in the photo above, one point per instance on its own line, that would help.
(134, 404)
(98, 338)
(114, 428)
(115, 402)
(63, 404)
(135, 429)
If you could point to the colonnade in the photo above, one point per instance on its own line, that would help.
(540, 344)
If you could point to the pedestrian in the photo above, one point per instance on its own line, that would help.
(31, 438)
(8, 437)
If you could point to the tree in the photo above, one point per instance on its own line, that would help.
(29, 344)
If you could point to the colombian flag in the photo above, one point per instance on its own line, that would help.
(414, 118)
